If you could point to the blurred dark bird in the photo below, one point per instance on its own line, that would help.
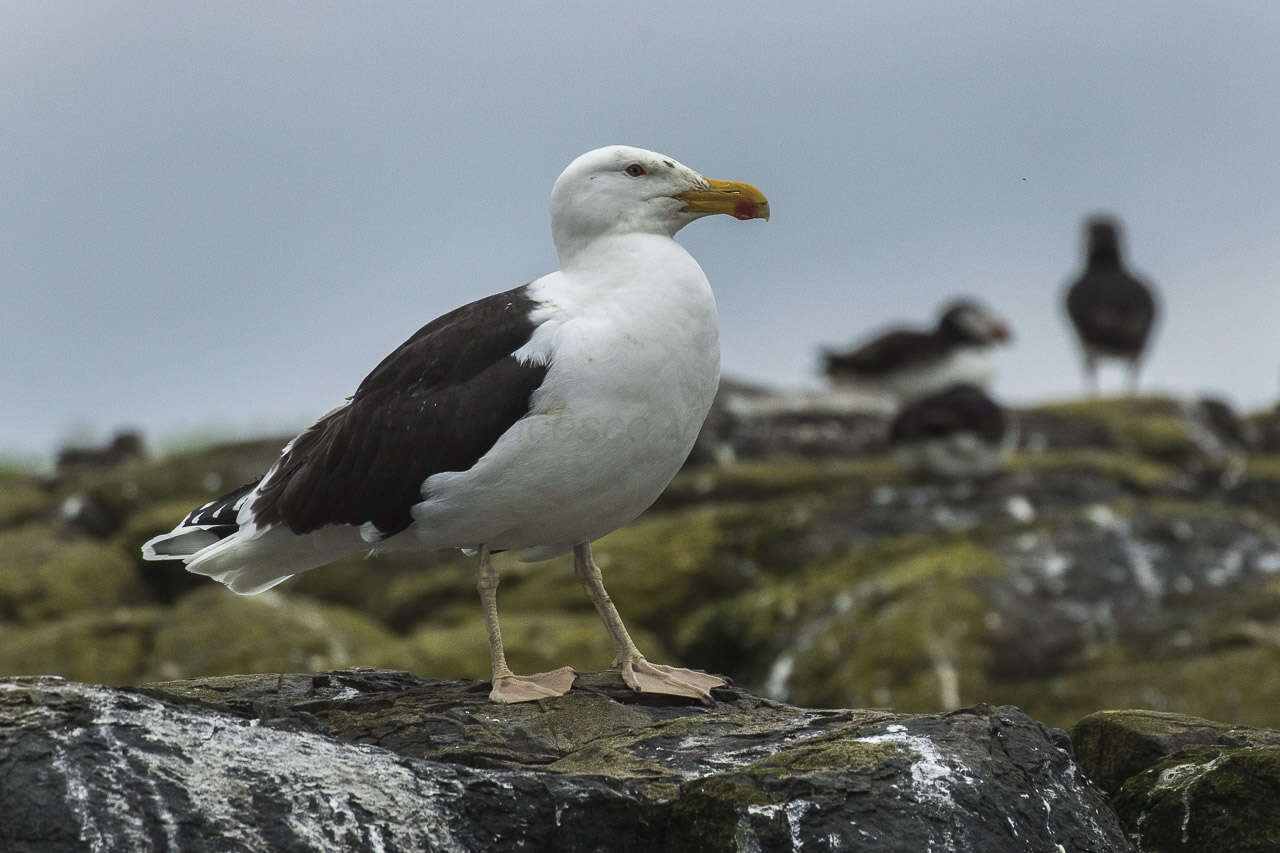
(1112, 310)
(909, 363)
(956, 433)
(124, 446)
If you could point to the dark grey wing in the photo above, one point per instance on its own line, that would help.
(437, 403)
(885, 354)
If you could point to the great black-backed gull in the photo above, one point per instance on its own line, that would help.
(1112, 310)
(957, 433)
(536, 420)
(909, 363)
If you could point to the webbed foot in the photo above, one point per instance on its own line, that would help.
(644, 677)
(509, 689)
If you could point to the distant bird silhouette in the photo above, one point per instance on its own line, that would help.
(1112, 310)
(909, 363)
(124, 445)
(956, 433)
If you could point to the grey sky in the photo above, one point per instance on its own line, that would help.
(221, 216)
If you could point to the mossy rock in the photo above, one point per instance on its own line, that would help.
(1113, 746)
(744, 633)
(766, 634)
(707, 813)
(1206, 798)
(205, 473)
(98, 647)
(212, 631)
(1134, 471)
(912, 636)
(1236, 682)
(665, 565)
(534, 642)
(22, 500)
(840, 751)
(400, 590)
(1151, 426)
(1263, 467)
(44, 573)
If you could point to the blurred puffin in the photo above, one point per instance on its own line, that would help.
(956, 433)
(1112, 310)
(909, 363)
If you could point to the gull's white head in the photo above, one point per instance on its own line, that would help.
(619, 189)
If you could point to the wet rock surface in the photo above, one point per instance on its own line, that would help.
(364, 759)
(1181, 783)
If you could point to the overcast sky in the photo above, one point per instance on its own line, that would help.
(220, 216)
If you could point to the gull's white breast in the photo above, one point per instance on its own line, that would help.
(633, 359)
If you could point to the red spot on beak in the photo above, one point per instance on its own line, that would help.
(744, 210)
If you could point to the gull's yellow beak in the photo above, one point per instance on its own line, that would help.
(739, 200)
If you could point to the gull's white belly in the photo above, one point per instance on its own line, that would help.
(615, 418)
(567, 475)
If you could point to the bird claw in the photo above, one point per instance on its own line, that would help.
(509, 689)
(644, 677)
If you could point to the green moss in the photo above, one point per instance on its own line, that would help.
(902, 634)
(742, 633)
(1146, 722)
(1127, 468)
(1237, 683)
(834, 754)
(21, 501)
(611, 759)
(1263, 467)
(664, 565)
(401, 590)
(1206, 798)
(660, 565)
(43, 574)
(105, 648)
(1152, 426)
(534, 642)
(1114, 746)
(706, 813)
(214, 632)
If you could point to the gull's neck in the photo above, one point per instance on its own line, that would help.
(611, 251)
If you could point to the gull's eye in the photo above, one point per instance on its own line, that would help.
(635, 170)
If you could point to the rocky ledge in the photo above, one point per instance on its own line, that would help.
(378, 759)
(1182, 783)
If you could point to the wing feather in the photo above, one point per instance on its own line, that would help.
(437, 403)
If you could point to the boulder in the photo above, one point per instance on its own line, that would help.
(212, 631)
(1182, 783)
(365, 759)
(45, 573)
(23, 498)
(106, 646)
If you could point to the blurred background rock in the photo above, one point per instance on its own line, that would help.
(1128, 555)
